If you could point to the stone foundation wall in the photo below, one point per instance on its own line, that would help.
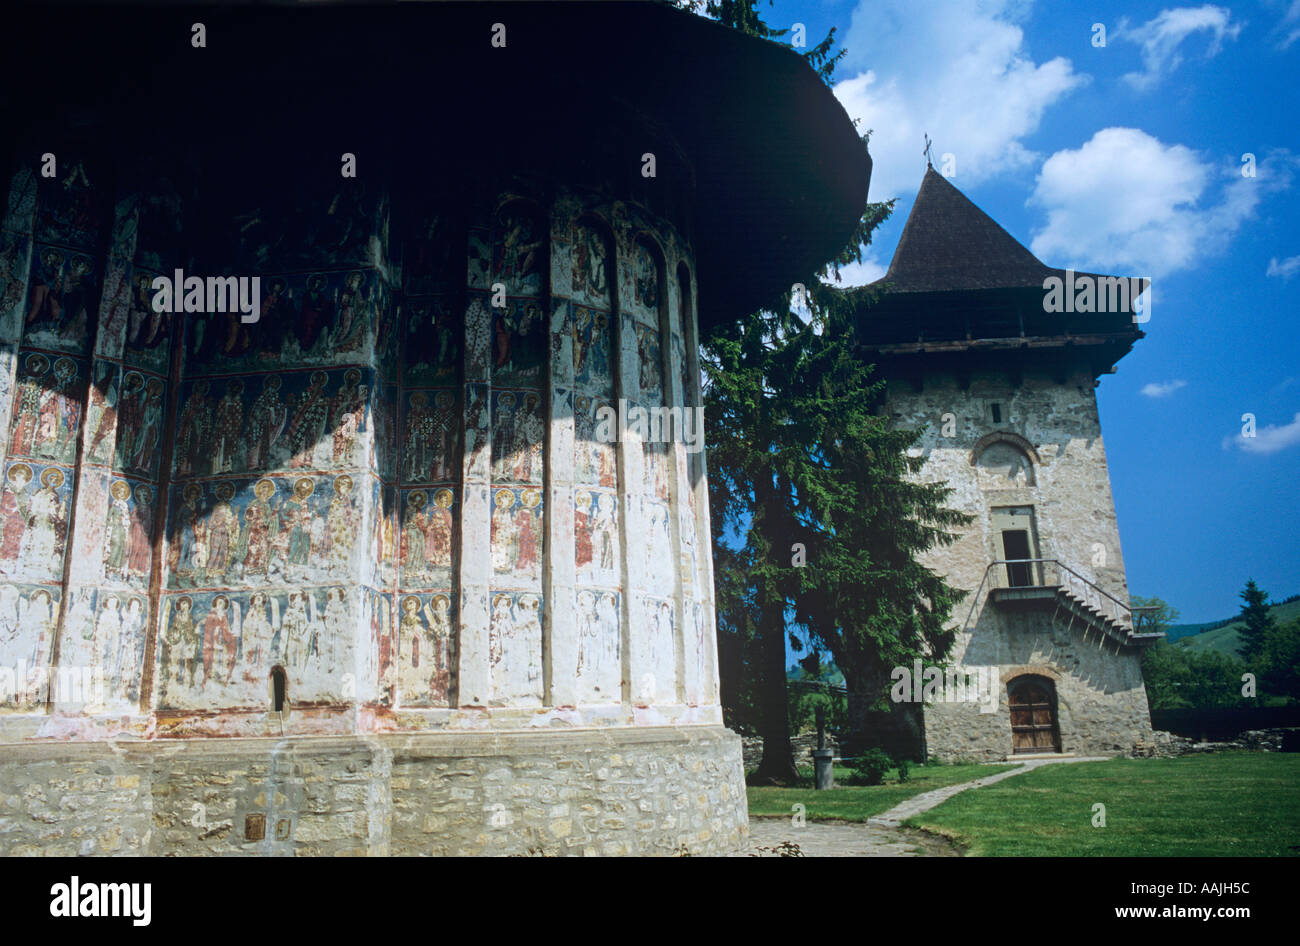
(652, 791)
(1100, 697)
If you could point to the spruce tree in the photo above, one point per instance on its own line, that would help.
(811, 490)
(1258, 620)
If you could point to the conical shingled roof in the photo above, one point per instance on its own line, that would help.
(950, 244)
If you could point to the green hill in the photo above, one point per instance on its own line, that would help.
(1225, 636)
(1179, 631)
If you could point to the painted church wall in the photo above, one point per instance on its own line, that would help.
(272, 484)
(191, 502)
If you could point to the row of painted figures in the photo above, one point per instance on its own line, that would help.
(47, 415)
(34, 524)
(225, 647)
(203, 655)
(287, 535)
(216, 435)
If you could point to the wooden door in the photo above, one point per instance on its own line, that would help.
(1033, 716)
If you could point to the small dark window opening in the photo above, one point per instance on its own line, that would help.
(1015, 542)
(997, 413)
(279, 687)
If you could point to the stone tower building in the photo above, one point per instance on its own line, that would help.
(356, 570)
(1047, 658)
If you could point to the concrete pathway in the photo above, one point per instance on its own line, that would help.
(777, 837)
(927, 800)
(881, 835)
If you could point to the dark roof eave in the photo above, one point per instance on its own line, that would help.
(768, 209)
(1008, 344)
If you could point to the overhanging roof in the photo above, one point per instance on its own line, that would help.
(959, 282)
(416, 89)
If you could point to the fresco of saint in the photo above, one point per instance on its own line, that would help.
(180, 640)
(503, 427)
(348, 416)
(140, 553)
(307, 424)
(27, 412)
(117, 532)
(266, 419)
(130, 651)
(590, 264)
(219, 642)
(14, 511)
(259, 524)
(438, 532)
(353, 309)
(258, 633)
(341, 524)
(526, 445)
(192, 432)
(295, 630)
(222, 532)
(42, 541)
(228, 429)
(519, 251)
(413, 535)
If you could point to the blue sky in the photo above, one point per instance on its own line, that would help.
(1127, 159)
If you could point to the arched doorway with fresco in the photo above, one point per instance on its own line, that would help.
(1035, 725)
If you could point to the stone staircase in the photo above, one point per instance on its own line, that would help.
(1075, 600)
(1072, 607)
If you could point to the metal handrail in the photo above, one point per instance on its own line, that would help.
(976, 600)
(1065, 569)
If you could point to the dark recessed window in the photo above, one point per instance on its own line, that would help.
(279, 687)
(997, 413)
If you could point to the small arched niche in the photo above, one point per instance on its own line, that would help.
(1004, 460)
(278, 683)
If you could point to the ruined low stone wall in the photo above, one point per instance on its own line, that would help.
(651, 791)
(801, 747)
(1167, 745)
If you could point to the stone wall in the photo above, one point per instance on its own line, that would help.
(1044, 452)
(801, 747)
(1068, 485)
(1169, 745)
(1101, 700)
(655, 791)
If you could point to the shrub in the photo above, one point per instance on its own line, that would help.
(904, 770)
(870, 767)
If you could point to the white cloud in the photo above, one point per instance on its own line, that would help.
(860, 274)
(1162, 388)
(1288, 29)
(1162, 37)
(1268, 439)
(959, 72)
(1286, 268)
(1125, 201)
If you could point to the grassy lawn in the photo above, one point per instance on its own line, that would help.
(859, 802)
(1219, 804)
